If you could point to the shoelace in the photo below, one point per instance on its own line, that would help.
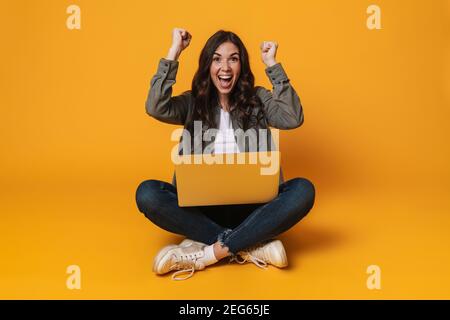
(185, 264)
(247, 257)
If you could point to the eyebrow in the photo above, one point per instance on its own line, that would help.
(230, 54)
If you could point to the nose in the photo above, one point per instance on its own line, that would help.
(225, 65)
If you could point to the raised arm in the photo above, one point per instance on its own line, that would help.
(160, 104)
(282, 106)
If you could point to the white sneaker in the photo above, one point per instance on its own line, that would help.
(185, 259)
(270, 252)
(187, 242)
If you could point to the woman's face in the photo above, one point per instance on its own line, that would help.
(225, 67)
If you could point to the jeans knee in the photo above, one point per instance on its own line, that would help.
(144, 193)
(307, 190)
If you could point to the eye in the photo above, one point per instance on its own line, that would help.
(216, 59)
(234, 59)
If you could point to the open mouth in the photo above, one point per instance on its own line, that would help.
(225, 81)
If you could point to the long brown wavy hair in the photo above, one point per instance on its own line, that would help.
(243, 98)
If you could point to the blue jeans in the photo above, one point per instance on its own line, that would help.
(235, 226)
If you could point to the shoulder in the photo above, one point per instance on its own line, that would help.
(187, 93)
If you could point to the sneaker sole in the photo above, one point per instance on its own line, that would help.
(161, 253)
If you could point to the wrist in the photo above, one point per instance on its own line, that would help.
(270, 63)
(173, 54)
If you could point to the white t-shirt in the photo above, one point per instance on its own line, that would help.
(225, 141)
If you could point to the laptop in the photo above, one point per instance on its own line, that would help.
(224, 179)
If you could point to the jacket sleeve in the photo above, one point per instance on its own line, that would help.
(160, 104)
(282, 107)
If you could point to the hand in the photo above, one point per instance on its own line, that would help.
(181, 39)
(268, 52)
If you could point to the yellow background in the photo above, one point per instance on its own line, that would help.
(75, 142)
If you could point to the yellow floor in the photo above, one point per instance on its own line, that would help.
(98, 228)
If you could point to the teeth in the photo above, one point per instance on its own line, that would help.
(225, 77)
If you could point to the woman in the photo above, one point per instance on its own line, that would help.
(223, 96)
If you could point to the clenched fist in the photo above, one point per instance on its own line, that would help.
(268, 52)
(180, 41)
